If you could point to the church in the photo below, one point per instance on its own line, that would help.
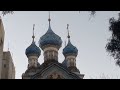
(51, 68)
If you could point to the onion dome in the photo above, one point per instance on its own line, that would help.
(50, 38)
(33, 49)
(70, 49)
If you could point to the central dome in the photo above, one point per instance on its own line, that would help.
(50, 38)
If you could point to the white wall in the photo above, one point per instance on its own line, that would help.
(8, 72)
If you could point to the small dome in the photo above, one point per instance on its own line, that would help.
(33, 50)
(70, 50)
(50, 38)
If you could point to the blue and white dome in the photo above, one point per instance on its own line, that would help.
(70, 49)
(33, 50)
(50, 38)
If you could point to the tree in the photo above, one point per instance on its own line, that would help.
(7, 12)
(92, 13)
(113, 45)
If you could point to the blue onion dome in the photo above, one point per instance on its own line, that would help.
(70, 49)
(50, 38)
(33, 50)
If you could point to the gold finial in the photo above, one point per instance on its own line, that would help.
(33, 33)
(68, 31)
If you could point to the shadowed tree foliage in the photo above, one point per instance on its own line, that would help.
(113, 45)
(7, 12)
(92, 13)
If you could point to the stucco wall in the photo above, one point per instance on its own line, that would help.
(8, 69)
(1, 43)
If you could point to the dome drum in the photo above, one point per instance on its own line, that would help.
(46, 46)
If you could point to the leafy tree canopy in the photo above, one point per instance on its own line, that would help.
(113, 45)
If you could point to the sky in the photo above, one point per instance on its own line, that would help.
(89, 35)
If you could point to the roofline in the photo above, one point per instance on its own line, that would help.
(70, 73)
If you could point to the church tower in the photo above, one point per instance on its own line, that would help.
(1, 44)
(70, 52)
(50, 43)
(32, 52)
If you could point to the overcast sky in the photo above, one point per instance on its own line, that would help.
(89, 36)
